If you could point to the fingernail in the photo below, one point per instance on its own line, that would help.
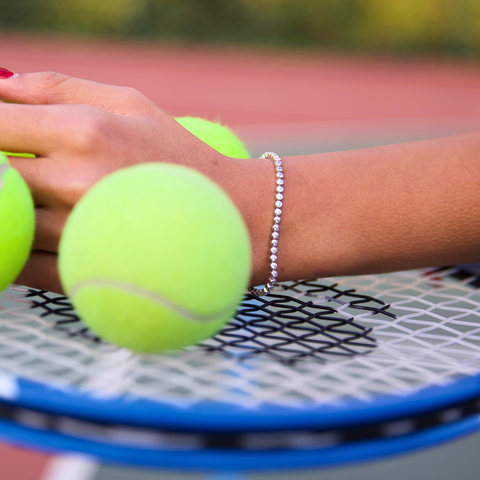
(7, 73)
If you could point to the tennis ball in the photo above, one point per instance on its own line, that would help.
(155, 257)
(218, 136)
(17, 223)
(24, 155)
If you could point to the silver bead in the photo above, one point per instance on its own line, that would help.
(278, 211)
(279, 175)
(278, 162)
(278, 204)
(272, 281)
(276, 227)
(274, 273)
(279, 168)
(276, 219)
(279, 196)
(273, 266)
(274, 249)
(273, 258)
(279, 181)
(274, 234)
(275, 243)
(279, 189)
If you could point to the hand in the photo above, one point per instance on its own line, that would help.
(81, 131)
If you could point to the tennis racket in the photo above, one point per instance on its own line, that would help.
(319, 372)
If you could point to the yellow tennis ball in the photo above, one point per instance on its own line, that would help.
(23, 155)
(155, 257)
(218, 136)
(17, 223)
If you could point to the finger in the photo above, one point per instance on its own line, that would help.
(32, 129)
(41, 272)
(39, 174)
(48, 88)
(55, 183)
(48, 229)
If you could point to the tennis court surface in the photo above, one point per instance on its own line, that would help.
(294, 102)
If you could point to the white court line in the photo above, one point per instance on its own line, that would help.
(70, 467)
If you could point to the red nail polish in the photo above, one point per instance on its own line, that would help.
(6, 73)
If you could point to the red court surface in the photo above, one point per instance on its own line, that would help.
(17, 464)
(269, 94)
(270, 97)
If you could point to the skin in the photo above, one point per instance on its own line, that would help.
(365, 211)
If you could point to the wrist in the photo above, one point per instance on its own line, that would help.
(250, 184)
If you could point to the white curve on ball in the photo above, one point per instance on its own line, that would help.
(153, 297)
(3, 168)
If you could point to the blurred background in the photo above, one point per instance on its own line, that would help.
(292, 76)
(401, 27)
(298, 76)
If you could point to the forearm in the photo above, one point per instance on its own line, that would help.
(374, 210)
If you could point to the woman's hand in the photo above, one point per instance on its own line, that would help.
(81, 131)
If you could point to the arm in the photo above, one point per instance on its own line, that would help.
(372, 210)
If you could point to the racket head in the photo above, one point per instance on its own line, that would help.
(316, 354)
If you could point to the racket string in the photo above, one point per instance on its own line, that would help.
(309, 342)
(280, 326)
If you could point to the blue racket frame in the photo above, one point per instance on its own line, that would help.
(218, 416)
(241, 460)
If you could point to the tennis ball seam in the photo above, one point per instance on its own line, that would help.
(3, 169)
(153, 297)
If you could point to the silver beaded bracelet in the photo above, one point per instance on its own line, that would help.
(272, 280)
